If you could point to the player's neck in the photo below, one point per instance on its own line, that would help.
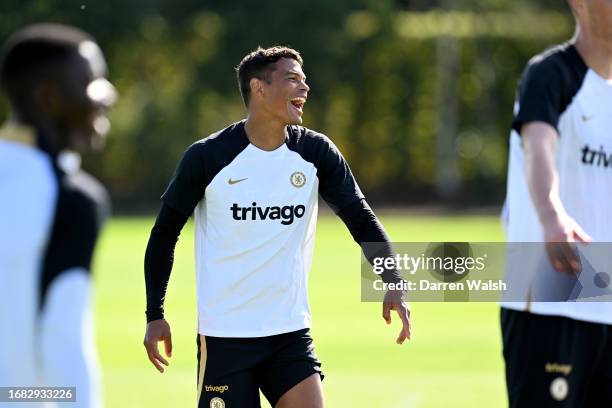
(264, 133)
(596, 53)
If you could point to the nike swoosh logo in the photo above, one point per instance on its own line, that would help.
(586, 118)
(230, 181)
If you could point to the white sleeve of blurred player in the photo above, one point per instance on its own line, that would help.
(68, 352)
(28, 192)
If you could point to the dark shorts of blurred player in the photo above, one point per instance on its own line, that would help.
(555, 361)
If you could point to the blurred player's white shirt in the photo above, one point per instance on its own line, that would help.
(559, 89)
(27, 188)
(45, 289)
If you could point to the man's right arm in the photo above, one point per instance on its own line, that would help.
(540, 144)
(179, 201)
(159, 258)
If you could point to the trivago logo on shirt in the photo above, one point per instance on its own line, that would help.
(599, 158)
(287, 214)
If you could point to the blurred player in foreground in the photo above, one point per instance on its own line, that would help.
(559, 354)
(254, 187)
(52, 211)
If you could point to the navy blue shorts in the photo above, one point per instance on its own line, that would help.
(231, 371)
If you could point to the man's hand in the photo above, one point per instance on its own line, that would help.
(158, 330)
(394, 300)
(560, 232)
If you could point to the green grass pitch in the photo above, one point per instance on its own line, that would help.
(454, 358)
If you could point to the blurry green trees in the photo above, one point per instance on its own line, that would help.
(383, 85)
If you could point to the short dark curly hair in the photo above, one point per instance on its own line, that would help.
(258, 64)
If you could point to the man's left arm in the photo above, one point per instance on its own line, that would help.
(339, 189)
(369, 233)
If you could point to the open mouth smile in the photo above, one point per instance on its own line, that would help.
(298, 103)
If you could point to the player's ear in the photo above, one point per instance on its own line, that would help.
(256, 85)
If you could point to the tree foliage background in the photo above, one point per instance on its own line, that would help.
(418, 94)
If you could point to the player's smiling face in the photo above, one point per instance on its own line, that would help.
(286, 92)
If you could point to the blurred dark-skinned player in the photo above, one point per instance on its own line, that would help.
(54, 77)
